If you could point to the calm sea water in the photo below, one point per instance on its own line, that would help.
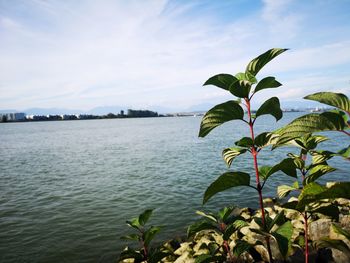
(66, 188)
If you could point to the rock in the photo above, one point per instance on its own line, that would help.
(345, 221)
(186, 257)
(268, 202)
(343, 201)
(184, 247)
(263, 252)
(319, 228)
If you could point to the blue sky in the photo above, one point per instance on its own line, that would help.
(83, 54)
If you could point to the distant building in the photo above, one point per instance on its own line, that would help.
(16, 116)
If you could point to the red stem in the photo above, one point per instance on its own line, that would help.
(228, 250)
(254, 153)
(306, 238)
(347, 133)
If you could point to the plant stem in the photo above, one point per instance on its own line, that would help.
(306, 238)
(227, 247)
(258, 185)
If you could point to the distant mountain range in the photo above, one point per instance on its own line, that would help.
(103, 110)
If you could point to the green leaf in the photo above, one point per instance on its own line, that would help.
(320, 157)
(131, 237)
(241, 88)
(337, 100)
(327, 121)
(284, 190)
(267, 83)
(149, 234)
(333, 243)
(241, 247)
(225, 213)
(345, 152)
(210, 216)
(239, 223)
(278, 219)
(246, 76)
(228, 232)
(336, 190)
(309, 194)
(259, 62)
(265, 139)
(134, 223)
(293, 205)
(225, 182)
(264, 172)
(246, 142)
(283, 237)
(316, 172)
(230, 154)
(143, 218)
(328, 210)
(337, 229)
(287, 166)
(271, 106)
(220, 114)
(199, 226)
(223, 81)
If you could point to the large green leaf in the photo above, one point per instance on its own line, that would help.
(328, 210)
(327, 121)
(336, 190)
(143, 218)
(314, 192)
(259, 62)
(150, 233)
(223, 81)
(271, 106)
(230, 154)
(220, 114)
(284, 190)
(316, 172)
(309, 194)
(199, 226)
(267, 83)
(265, 139)
(338, 100)
(241, 88)
(225, 182)
(283, 236)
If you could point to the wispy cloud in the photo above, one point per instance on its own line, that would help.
(86, 54)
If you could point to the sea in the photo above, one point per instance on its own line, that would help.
(68, 187)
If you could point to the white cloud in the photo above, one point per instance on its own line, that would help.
(87, 54)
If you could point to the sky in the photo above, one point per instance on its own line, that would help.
(146, 54)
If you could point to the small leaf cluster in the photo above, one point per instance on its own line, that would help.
(143, 236)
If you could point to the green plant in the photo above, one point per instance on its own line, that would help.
(240, 86)
(224, 223)
(297, 133)
(144, 236)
